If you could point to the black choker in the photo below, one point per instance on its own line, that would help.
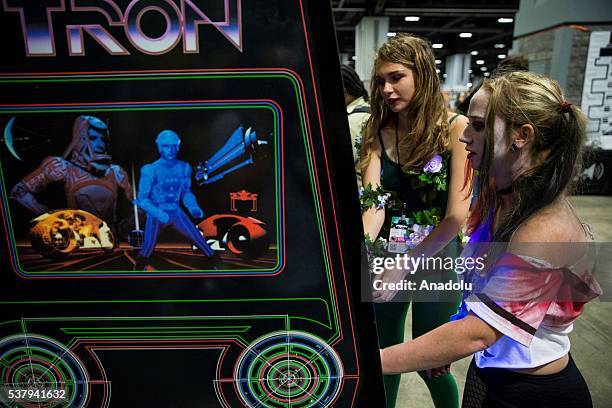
(506, 191)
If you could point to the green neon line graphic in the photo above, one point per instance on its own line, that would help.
(152, 108)
(192, 337)
(3, 363)
(149, 332)
(163, 328)
(121, 318)
(141, 78)
(286, 318)
(25, 333)
(27, 302)
(310, 166)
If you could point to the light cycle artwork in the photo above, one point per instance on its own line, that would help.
(195, 123)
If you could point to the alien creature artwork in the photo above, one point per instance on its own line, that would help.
(91, 181)
(177, 224)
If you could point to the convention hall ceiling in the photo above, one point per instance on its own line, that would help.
(440, 21)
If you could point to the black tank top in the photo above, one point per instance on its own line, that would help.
(408, 188)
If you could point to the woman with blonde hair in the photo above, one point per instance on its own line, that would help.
(411, 149)
(526, 142)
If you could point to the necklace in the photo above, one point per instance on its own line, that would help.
(397, 142)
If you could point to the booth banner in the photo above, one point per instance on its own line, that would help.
(597, 92)
(174, 231)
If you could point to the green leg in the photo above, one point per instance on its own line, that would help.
(390, 323)
(444, 391)
(426, 316)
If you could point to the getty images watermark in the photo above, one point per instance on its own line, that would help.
(409, 265)
(496, 268)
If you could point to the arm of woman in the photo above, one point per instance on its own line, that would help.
(442, 346)
(458, 204)
(373, 218)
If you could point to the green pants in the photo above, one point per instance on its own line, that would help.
(426, 316)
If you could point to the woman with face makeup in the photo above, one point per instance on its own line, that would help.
(411, 148)
(525, 140)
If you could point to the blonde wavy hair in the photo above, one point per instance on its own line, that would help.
(520, 98)
(429, 134)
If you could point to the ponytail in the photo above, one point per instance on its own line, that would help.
(559, 135)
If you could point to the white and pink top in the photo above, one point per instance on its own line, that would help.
(533, 303)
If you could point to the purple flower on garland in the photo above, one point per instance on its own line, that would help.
(382, 200)
(419, 233)
(434, 165)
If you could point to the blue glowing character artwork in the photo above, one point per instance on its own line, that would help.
(164, 185)
(174, 231)
(91, 181)
(176, 214)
